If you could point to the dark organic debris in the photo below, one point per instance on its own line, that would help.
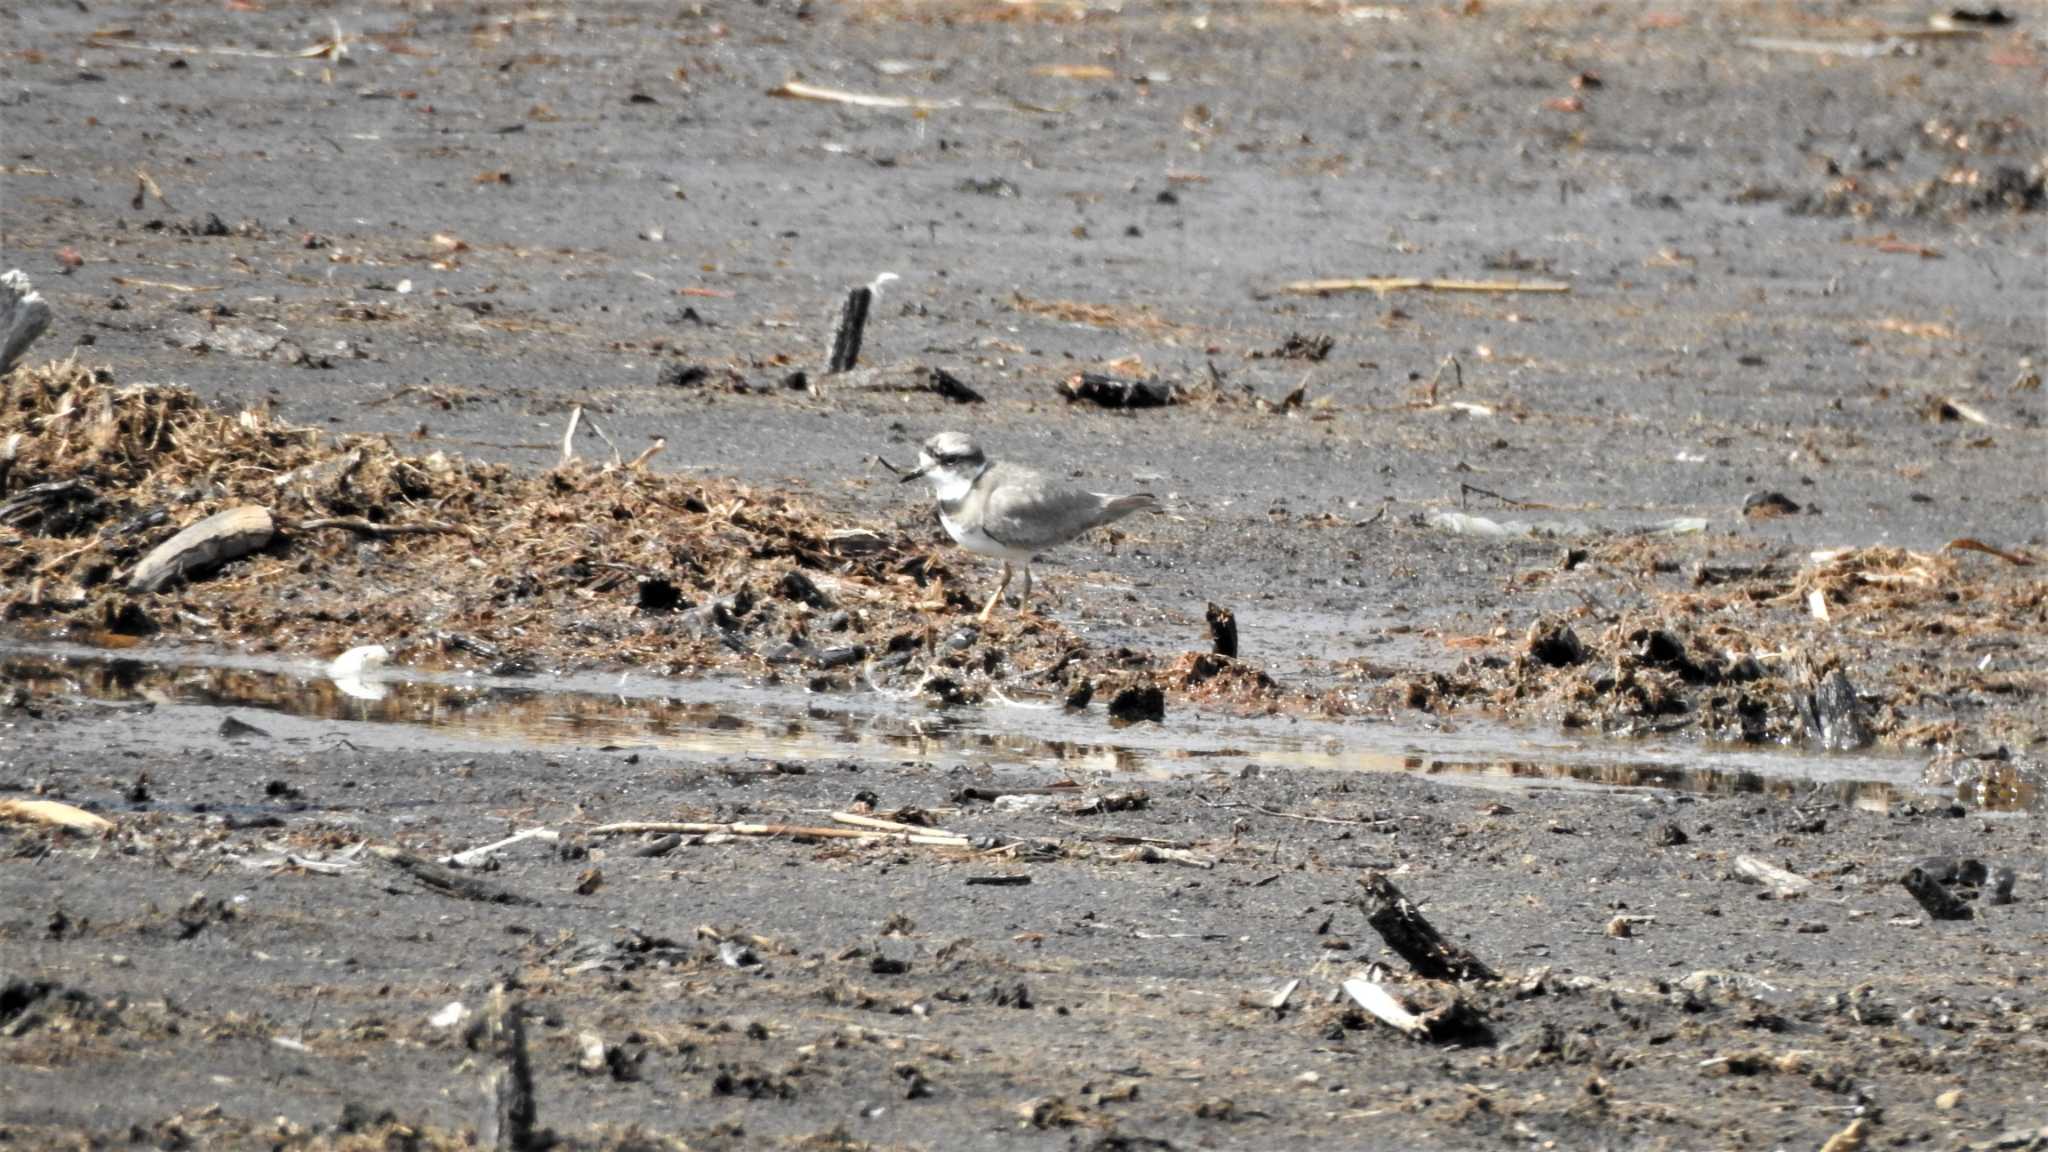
(1134, 800)
(794, 585)
(443, 880)
(1867, 195)
(847, 333)
(53, 508)
(18, 997)
(1659, 648)
(510, 1111)
(1138, 702)
(1552, 642)
(1762, 505)
(1221, 678)
(682, 375)
(660, 595)
(1412, 936)
(1993, 17)
(751, 1084)
(233, 728)
(1943, 886)
(1079, 693)
(1114, 392)
(1222, 631)
(1834, 714)
(989, 186)
(951, 387)
(1314, 348)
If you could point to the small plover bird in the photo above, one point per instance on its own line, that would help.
(1007, 511)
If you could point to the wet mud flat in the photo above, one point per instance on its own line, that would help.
(1018, 957)
(1640, 412)
(142, 515)
(1745, 454)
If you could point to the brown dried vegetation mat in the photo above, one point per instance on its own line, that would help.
(1842, 649)
(437, 556)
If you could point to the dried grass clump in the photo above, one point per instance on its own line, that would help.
(92, 475)
(1745, 651)
(576, 566)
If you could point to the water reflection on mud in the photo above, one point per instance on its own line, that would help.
(730, 718)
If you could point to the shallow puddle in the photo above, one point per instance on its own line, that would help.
(456, 710)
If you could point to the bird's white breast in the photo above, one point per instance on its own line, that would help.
(953, 488)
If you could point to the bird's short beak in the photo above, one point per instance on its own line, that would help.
(917, 475)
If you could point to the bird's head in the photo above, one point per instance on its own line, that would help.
(949, 459)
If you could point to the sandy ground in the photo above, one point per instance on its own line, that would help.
(1804, 257)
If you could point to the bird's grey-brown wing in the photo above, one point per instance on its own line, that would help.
(1025, 510)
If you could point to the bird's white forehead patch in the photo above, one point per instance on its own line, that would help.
(951, 444)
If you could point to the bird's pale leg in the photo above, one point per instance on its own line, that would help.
(998, 597)
(1024, 597)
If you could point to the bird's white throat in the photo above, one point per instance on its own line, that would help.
(952, 484)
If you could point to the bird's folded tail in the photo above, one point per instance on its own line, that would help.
(1118, 507)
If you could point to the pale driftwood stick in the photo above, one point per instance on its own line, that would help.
(569, 437)
(799, 90)
(1412, 936)
(304, 863)
(469, 858)
(442, 880)
(1383, 1007)
(700, 828)
(1852, 1137)
(646, 454)
(1289, 815)
(794, 831)
(58, 561)
(1782, 883)
(1381, 285)
(1149, 854)
(371, 528)
(145, 183)
(510, 1110)
(1447, 1021)
(1450, 360)
(1279, 999)
(23, 317)
(617, 460)
(1125, 838)
(54, 813)
(876, 822)
(214, 541)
